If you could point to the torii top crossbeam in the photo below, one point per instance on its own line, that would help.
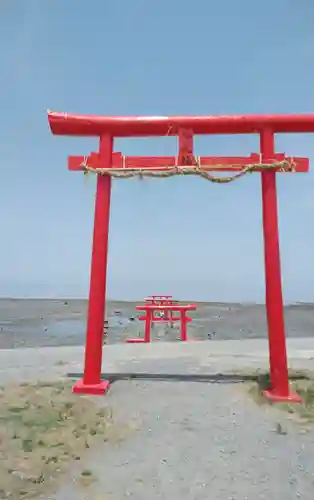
(146, 126)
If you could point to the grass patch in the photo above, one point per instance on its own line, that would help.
(43, 428)
(304, 386)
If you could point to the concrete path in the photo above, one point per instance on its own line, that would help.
(207, 357)
(187, 440)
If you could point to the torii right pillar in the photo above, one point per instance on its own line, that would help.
(280, 390)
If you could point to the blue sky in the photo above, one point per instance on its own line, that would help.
(185, 237)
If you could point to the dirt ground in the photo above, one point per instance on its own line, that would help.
(303, 384)
(44, 429)
(33, 323)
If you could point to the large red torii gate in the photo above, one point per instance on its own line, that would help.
(105, 162)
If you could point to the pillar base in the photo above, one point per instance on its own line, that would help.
(291, 397)
(80, 387)
(136, 341)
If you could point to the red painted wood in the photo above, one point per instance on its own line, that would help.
(274, 301)
(185, 128)
(75, 162)
(92, 382)
(170, 307)
(146, 126)
(167, 308)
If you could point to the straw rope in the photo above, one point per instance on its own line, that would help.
(198, 169)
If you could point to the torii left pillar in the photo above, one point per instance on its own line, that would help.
(92, 382)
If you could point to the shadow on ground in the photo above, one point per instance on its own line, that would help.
(179, 377)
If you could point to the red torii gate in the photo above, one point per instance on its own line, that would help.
(105, 162)
(161, 300)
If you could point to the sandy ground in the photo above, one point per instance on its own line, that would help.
(187, 439)
(27, 323)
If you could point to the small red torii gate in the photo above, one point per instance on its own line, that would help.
(150, 309)
(105, 162)
(161, 300)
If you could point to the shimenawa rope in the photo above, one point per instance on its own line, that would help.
(198, 169)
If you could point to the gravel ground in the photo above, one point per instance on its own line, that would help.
(198, 441)
(185, 440)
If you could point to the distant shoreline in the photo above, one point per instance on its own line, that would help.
(137, 301)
